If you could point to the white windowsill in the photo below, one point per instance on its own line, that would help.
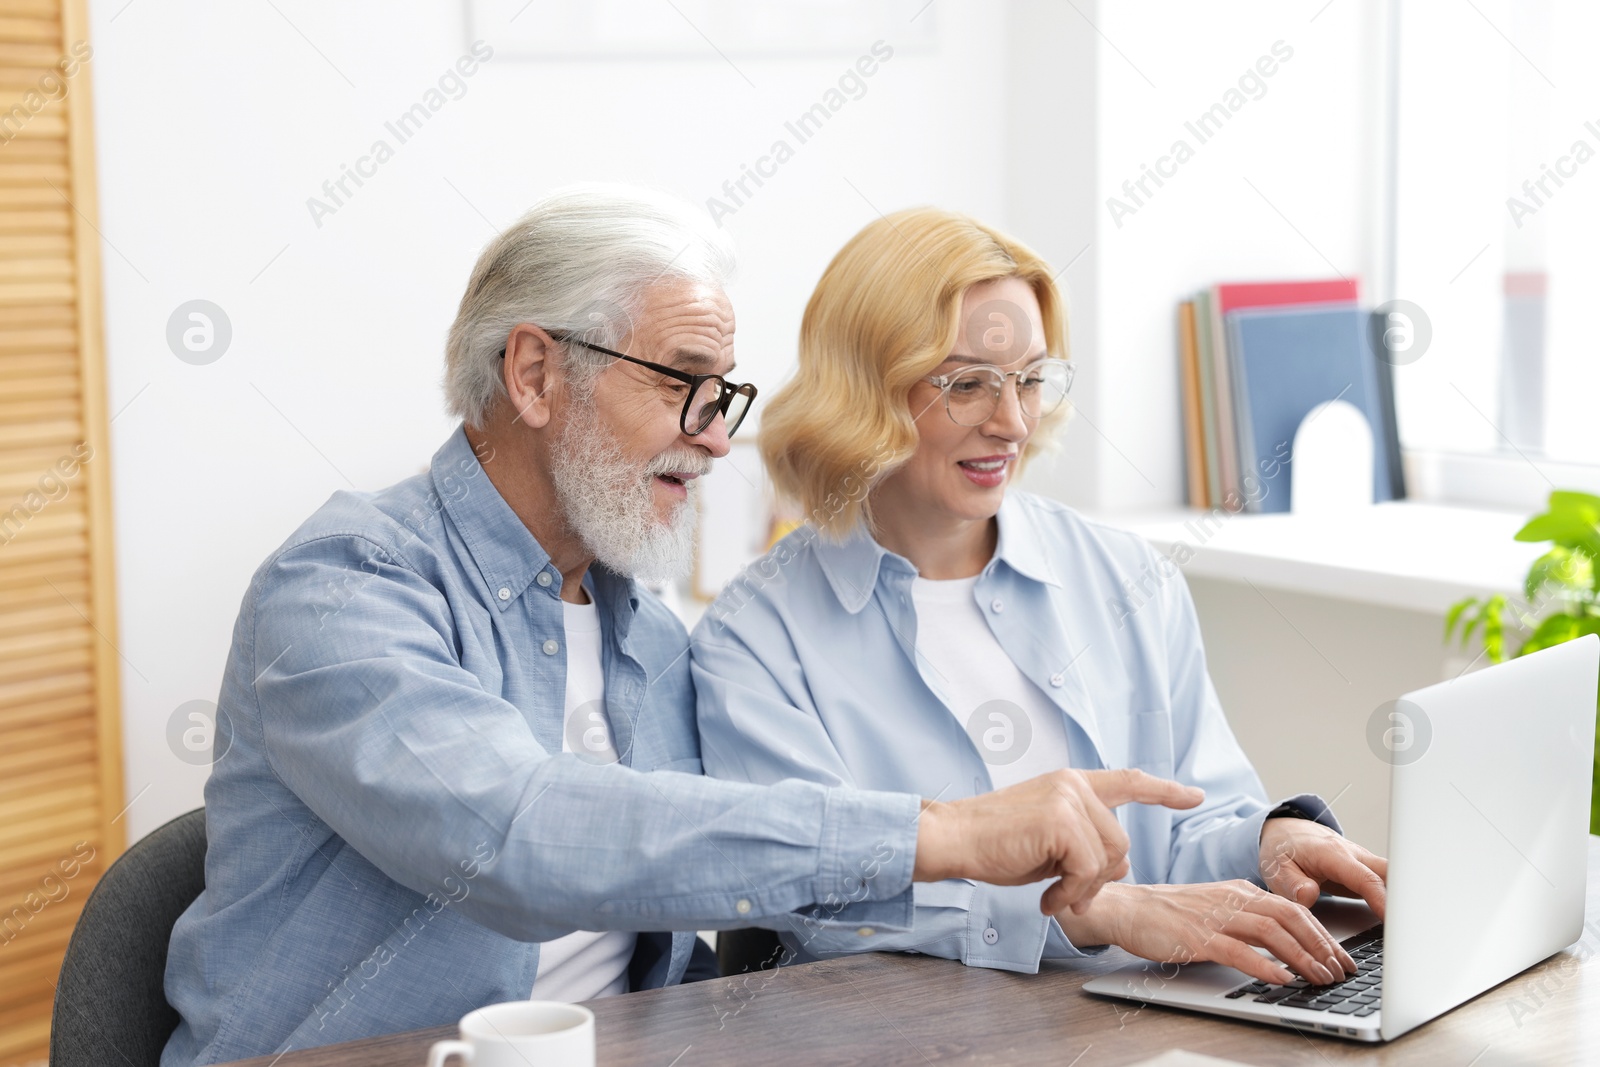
(1408, 554)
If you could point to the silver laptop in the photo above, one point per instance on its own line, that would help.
(1488, 854)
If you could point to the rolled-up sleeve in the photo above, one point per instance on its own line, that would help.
(369, 718)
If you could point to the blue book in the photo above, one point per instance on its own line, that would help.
(1284, 362)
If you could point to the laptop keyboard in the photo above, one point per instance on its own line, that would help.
(1357, 996)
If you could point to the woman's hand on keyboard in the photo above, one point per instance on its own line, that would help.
(1219, 922)
(1301, 860)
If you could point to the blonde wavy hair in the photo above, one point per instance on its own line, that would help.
(884, 315)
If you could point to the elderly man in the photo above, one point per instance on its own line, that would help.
(457, 756)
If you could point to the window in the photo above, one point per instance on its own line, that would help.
(1496, 237)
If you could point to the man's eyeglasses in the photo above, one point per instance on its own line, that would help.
(972, 394)
(705, 395)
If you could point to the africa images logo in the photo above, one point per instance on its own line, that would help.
(1398, 732)
(1001, 730)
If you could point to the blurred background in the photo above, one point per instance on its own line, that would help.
(290, 196)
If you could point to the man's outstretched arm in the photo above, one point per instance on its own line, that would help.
(370, 720)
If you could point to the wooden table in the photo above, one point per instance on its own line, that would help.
(886, 1009)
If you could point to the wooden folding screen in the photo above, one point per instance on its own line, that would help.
(61, 793)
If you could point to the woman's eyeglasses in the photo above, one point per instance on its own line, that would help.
(972, 394)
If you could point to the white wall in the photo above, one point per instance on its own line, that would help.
(217, 122)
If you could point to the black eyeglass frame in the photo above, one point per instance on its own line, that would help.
(728, 389)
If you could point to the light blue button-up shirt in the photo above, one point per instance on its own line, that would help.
(806, 668)
(392, 824)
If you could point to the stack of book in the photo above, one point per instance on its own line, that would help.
(1255, 359)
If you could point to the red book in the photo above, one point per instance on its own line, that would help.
(1282, 294)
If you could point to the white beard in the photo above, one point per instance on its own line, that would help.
(609, 502)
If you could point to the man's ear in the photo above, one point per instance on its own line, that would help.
(528, 373)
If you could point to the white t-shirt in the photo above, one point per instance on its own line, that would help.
(584, 965)
(1017, 730)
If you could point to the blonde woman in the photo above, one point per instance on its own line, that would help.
(933, 630)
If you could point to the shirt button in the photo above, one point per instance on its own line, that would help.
(997, 606)
(1058, 680)
(551, 647)
(543, 578)
(865, 931)
(742, 907)
(990, 936)
(504, 593)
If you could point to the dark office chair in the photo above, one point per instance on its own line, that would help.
(739, 951)
(110, 1004)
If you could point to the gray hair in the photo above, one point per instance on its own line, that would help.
(580, 261)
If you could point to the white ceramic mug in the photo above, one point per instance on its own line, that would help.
(520, 1033)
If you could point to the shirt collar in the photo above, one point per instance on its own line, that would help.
(507, 555)
(852, 565)
(1022, 544)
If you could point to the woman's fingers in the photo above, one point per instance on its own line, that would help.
(1254, 917)
(1308, 859)
(1221, 921)
(1237, 954)
(1268, 933)
(1309, 932)
(1289, 881)
(1379, 865)
(1336, 868)
(1359, 874)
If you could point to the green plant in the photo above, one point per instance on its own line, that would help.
(1562, 590)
